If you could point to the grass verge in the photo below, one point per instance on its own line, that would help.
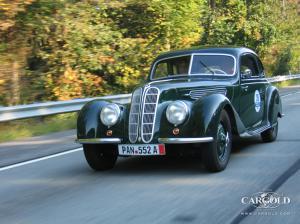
(19, 129)
(292, 82)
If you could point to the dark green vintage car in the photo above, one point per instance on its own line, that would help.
(195, 101)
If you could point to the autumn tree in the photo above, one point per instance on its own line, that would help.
(64, 49)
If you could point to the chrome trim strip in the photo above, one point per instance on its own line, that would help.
(185, 140)
(191, 63)
(248, 83)
(98, 140)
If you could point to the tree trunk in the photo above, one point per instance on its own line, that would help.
(15, 83)
(283, 8)
(212, 4)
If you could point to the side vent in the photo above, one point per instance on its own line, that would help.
(198, 93)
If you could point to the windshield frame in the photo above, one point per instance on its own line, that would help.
(190, 66)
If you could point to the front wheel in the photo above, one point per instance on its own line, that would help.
(100, 157)
(216, 154)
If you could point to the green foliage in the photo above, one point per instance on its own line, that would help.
(169, 24)
(64, 49)
(282, 66)
(239, 23)
(88, 49)
(74, 45)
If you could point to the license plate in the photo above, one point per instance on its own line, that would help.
(142, 150)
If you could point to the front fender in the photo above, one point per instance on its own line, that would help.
(203, 119)
(274, 105)
(207, 111)
(90, 126)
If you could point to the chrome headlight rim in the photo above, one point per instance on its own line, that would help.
(170, 115)
(110, 114)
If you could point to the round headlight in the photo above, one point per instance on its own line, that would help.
(177, 112)
(110, 114)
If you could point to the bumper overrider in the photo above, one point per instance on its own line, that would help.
(160, 140)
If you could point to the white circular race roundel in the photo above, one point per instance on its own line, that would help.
(257, 101)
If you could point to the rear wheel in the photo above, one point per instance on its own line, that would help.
(216, 155)
(270, 134)
(100, 157)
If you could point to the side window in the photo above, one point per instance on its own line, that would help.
(161, 70)
(248, 67)
(260, 68)
(172, 66)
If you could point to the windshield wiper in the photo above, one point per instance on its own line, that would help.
(208, 68)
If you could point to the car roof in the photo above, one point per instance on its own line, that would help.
(235, 51)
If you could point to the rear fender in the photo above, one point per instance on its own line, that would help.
(274, 105)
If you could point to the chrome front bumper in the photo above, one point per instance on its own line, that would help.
(98, 140)
(185, 140)
(160, 140)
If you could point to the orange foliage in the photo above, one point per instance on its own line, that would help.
(10, 8)
(73, 85)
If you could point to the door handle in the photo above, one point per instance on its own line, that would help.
(245, 88)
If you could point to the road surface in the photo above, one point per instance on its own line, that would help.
(63, 189)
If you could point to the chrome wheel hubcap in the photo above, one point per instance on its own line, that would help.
(222, 141)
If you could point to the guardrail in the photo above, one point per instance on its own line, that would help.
(60, 107)
(50, 108)
(282, 78)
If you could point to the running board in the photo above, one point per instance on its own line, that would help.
(256, 131)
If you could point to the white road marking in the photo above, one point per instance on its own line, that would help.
(289, 94)
(39, 159)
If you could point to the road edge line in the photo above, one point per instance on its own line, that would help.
(289, 94)
(39, 159)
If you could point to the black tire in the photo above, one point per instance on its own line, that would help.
(216, 155)
(100, 157)
(270, 134)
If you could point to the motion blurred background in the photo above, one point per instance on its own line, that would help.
(66, 49)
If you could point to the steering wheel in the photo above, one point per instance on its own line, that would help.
(218, 70)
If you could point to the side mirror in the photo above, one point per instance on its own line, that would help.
(247, 73)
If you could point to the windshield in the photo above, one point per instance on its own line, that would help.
(213, 65)
(203, 64)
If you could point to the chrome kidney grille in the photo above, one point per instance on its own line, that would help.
(149, 113)
(134, 116)
(146, 110)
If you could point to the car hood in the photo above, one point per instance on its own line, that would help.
(179, 88)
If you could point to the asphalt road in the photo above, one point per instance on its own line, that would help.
(36, 147)
(160, 190)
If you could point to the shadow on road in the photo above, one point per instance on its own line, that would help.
(162, 165)
(240, 144)
(173, 165)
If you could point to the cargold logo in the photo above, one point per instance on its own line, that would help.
(266, 200)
